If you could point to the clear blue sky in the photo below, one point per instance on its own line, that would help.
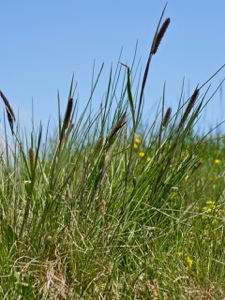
(43, 42)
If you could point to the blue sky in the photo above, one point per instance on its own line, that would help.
(43, 42)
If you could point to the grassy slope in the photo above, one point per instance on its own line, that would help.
(100, 212)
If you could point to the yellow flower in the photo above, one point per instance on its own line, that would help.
(135, 145)
(211, 203)
(137, 141)
(141, 154)
(189, 261)
(148, 158)
(186, 177)
(217, 161)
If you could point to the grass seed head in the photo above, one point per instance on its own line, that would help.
(167, 117)
(10, 114)
(32, 158)
(160, 35)
(192, 101)
(10, 119)
(189, 107)
(68, 113)
(9, 109)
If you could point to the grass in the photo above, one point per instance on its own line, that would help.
(104, 209)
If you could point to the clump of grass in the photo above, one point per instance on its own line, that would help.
(104, 210)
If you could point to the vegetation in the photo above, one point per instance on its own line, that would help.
(105, 209)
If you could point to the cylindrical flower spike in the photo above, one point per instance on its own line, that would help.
(68, 113)
(8, 105)
(167, 117)
(32, 159)
(160, 36)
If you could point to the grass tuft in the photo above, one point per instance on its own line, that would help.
(106, 208)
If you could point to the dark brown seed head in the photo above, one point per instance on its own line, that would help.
(31, 157)
(68, 113)
(189, 108)
(10, 119)
(166, 117)
(8, 106)
(192, 100)
(190, 104)
(160, 35)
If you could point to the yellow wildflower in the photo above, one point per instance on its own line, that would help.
(189, 261)
(217, 161)
(141, 154)
(148, 159)
(211, 203)
(137, 140)
(135, 145)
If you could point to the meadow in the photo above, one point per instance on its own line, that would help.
(106, 208)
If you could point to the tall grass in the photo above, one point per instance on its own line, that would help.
(103, 210)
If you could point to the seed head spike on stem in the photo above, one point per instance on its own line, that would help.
(160, 35)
